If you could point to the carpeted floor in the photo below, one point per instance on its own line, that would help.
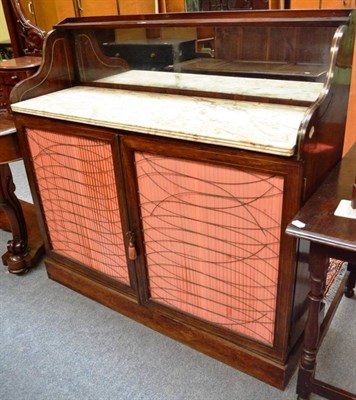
(58, 345)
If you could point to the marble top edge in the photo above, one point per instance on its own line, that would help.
(263, 127)
(138, 129)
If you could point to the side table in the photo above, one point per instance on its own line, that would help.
(15, 70)
(17, 216)
(330, 236)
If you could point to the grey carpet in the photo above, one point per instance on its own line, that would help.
(56, 344)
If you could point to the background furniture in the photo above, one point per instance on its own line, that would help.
(26, 38)
(322, 4)
(330, 236)
(15, 70)
(46, 13)
(151, 54)
(26, 246)
(216, 5)
(5, 50)
(136, 206)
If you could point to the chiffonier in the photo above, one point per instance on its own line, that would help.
(165, 194)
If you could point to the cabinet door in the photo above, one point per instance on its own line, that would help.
(175, 5)
(212, 237)
(50, 12)
(137, 6)
(64, 9)
(304, 4)
(28, 9)
(207, 236)
(336, 3)
(265, 4)
(86, 8)
(80, 191)
(45, 14)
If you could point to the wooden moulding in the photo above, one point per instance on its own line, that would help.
(335, 18)
(236, 356)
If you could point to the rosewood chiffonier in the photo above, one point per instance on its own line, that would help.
(165, 193)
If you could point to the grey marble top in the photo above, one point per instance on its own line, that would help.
(271, 88)
(262, 127)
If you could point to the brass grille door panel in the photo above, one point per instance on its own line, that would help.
(212, 241)
(76, 180)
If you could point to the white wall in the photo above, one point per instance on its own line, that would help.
(4, 34)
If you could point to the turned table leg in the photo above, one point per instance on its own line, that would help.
(318, 268)
(18, 246)
(351, 282)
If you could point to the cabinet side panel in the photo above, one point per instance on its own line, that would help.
(212, 239)
(76, 181)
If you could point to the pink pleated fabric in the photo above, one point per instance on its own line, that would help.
(212, 239)
(76, 180)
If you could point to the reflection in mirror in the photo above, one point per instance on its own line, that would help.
(153, 49)
(226, 50)
(178, 59)
(192, 5)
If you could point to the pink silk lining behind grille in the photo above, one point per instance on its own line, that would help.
(76, 180)
(212, 238)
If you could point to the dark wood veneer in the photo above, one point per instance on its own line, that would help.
(26, 247)
(238, 357)
(318, 149)
(329, 236)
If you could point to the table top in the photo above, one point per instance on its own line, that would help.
(20, 63)
(7, 126)
(321, 225)
(9, 148)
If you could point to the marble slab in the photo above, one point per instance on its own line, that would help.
(271, 88)
(262, 127)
